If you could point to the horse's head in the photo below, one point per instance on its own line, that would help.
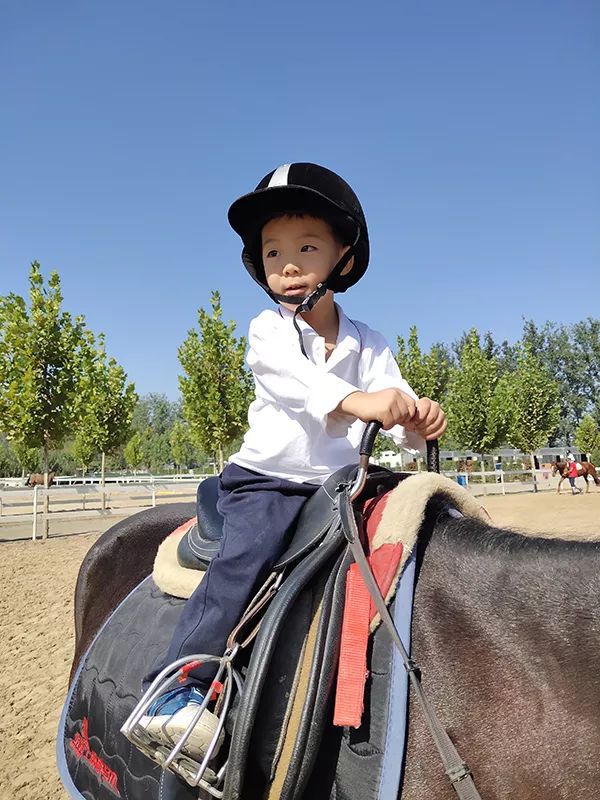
(558, 466)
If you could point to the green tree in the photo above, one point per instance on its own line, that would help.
(116, 461)
(596, 413)
(39, 368)
(587, 435)
(571, 354)
(156, 450)
(155, 411)
(427, 373)
(469, 403)
(62, 460)
(9, 463)
(216, 387)
(585, 337)
(384, 444)
(28, 458)
(182, 449)
(106, 401)
(134, 451)
(83, 448)
(530, 403)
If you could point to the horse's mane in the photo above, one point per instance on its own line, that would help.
(471, 533)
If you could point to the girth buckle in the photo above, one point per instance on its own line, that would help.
(457, 774)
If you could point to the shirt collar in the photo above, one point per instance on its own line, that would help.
(348, 334)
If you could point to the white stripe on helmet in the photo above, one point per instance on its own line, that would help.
(280, 176)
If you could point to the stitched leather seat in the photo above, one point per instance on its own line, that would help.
(210, 522)
(202, 541)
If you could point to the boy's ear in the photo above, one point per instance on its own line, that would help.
(349, 265)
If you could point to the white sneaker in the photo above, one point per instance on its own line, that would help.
(169, 728)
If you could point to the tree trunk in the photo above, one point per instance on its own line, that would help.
(535, 486)
(46, 526)
(220, 457)
(102, 481)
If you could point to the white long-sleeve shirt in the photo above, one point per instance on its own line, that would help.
(294, 431)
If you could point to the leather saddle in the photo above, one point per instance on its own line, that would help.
(282, 741)
(201, 543)
(283, 744)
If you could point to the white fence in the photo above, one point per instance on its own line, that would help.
(131, 493)
(500, 481)
(22, 504)
(71, 480)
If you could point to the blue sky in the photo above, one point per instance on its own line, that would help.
(469, 129)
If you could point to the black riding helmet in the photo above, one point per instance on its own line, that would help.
(305, 189)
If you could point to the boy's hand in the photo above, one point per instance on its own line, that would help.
(429, 421)
(393, 407)
(389, 406)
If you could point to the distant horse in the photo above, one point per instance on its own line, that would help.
(586, 470)
(37, 479)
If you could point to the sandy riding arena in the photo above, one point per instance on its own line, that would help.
(36, 646)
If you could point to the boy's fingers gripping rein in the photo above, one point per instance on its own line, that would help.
(430, 420)
(393, 407)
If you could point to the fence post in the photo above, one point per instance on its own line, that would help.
(103, 468)
(483, 475)
(153, 493)
(46, 526)
(34, 533)
(502, 481)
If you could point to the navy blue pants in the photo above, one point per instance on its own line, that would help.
(259, 515)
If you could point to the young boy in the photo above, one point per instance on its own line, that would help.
(319, 377)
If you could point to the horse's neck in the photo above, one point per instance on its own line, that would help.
(480, 613)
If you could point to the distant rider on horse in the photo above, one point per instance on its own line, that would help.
(573, 472)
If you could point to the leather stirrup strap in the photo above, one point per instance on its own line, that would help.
(456, 769)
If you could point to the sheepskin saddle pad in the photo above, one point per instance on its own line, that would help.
(292, 735)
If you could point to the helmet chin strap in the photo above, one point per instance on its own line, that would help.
(306, 304)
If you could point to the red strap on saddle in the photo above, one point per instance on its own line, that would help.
(352, 667)
(359, 612)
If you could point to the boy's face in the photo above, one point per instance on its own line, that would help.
(299, 253)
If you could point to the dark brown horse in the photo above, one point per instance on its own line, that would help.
(506, 630)
(586, 470)
(37, 479)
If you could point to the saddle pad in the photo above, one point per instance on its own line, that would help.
(95, 760)
(97, 763)
(371, 758)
